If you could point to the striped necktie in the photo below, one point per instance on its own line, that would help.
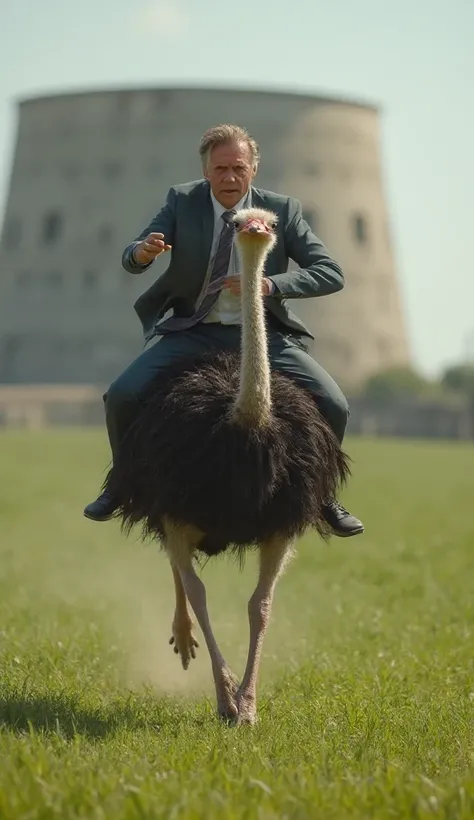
(216, 280)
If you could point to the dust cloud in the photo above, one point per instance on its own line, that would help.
(96, 575)
(90, 573)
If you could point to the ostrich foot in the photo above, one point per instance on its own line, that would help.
(183, 640)
(247, 709)
(226, 690)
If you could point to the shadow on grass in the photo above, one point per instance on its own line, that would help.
(64, 715)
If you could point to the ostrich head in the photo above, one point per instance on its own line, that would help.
(255, 221)
(255, 232)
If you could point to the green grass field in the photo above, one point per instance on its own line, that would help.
(367, 686)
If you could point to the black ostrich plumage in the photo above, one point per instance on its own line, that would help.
(185, 459)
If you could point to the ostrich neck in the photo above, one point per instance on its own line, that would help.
(253, 403)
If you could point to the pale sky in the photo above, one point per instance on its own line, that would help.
(413, 58)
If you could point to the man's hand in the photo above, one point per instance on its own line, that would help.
(151, 247)
(232, 283)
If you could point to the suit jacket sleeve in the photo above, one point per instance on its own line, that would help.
(318, 273)
(163, 222)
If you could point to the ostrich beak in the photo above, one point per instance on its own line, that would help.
(255, 226)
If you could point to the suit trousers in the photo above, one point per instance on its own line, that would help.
(286, 355)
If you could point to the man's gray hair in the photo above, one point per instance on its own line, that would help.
(221, 134)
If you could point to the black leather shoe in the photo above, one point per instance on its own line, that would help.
(341, 521)
(102, 509)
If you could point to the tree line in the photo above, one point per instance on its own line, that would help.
(456, 382)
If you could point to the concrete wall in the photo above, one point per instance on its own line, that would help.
(90, 171)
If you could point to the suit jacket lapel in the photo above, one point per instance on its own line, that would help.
(207, 225)
(258, 201)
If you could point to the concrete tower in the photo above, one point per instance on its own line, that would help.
(90, 171)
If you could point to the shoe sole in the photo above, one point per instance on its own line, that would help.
(102, 518)
(348, 534)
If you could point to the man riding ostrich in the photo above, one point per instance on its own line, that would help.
(202, 288)
(226, 455)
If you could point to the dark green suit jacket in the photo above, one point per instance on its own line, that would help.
(187, 222)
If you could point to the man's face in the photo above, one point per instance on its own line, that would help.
(230, 171)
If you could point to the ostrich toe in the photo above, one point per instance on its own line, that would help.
(183, 641)
(247, 709)
(226, 689)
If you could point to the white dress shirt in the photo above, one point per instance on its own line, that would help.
(227, 308)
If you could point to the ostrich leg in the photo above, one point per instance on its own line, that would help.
(274, 554)
(180, 544)
(185, 644)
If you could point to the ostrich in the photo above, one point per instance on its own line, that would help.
(225, 455)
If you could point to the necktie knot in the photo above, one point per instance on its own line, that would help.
(228, 216)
